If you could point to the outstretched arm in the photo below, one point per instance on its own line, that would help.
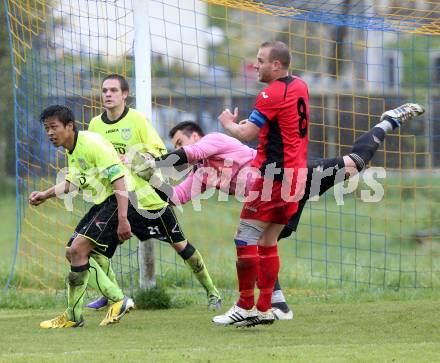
(37, 197)
(211, 145)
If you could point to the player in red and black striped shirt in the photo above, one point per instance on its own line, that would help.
(280, 120)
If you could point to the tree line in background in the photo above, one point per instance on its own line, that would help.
(7, 138)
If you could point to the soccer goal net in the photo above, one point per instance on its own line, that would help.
(359, 58)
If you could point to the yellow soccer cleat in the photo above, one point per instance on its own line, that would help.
(117, 310)
(61, 321)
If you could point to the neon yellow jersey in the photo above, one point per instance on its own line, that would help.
(93, 166)
(132, 131)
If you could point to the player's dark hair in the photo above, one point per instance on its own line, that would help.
(122, 81)
(279, 51)
(187, 127)
(63, 113)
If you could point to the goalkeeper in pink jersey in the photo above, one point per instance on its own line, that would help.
(220, 161)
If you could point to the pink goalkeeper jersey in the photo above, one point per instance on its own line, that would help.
(218, 160)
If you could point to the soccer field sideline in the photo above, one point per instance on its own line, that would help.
(365, 332)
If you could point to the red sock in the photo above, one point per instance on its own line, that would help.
(247, 269)
(269, 267)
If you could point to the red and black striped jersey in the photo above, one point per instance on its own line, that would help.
(282, 113)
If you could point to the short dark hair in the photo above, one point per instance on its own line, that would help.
(122, 81)
(279, 51)
(187, 127)
(63, 113)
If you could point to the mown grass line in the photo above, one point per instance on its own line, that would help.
(356, 332)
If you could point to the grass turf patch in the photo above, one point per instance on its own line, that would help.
(364, 332)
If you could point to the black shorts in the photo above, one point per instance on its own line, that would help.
(161, 224)
(315, 185)
(100, 225)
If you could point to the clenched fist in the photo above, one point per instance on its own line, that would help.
(36, 198)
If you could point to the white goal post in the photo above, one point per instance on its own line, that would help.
(142, 60)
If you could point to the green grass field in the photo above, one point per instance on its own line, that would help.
(368, 332)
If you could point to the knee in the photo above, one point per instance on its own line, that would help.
(268, 240)
(248, 234)
(187, 251)
(76, 251)
(180, 246)
(351, 168)
(358, 161)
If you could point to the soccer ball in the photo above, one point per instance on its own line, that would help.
(141, 164)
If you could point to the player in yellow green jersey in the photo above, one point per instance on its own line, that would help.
(94, 167)
(132, 134)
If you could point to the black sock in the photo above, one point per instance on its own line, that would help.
(366, 146)
(277, 285)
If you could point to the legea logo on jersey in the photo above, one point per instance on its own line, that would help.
(264, 95)
(126, 134)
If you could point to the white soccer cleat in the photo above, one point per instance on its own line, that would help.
(281, 315)
(404, 113)
(260, 318)
(234, 316)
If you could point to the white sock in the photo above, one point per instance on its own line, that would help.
(385, 125)
(277, 297)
